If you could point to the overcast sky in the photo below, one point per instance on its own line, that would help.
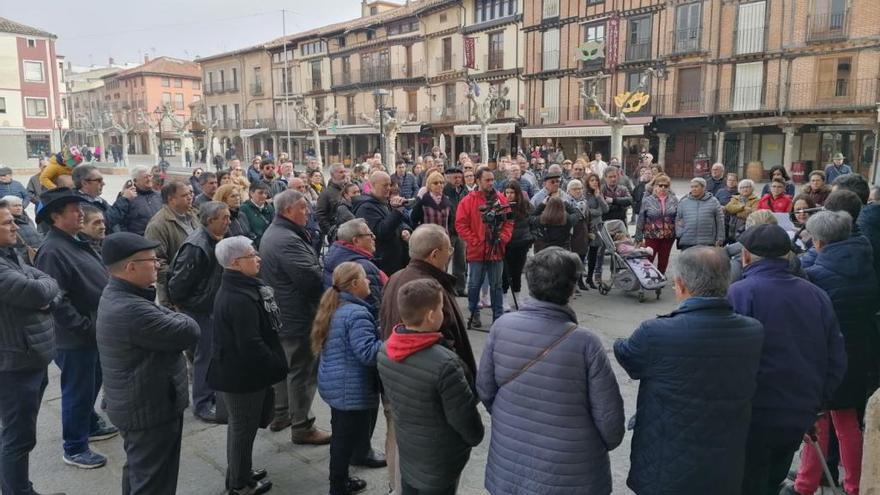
(90, 31)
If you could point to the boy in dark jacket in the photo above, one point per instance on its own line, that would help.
(433, 404)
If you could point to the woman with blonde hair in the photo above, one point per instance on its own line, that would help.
(345, 336)
(238, 222)
(238, 178)
(432, 206)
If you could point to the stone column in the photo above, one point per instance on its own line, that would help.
(719, 153)
(742, 155)
(787, 154)
(352, 148)
(661, 149)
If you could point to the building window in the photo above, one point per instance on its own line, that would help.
(166, 82)
(312, 48)
(828, 21)
(178, 83)
(487, 10)
(443, 18)
(166, 99)
(550, 109)
(496, 51)
(213, 112)
(340, 42)
(2, 104)
(370, 34)
(550, 56)
(33, 71)
(639, 42)
(320, 108)
(750, 27)
(178, 101)
(748, 86)
(412, 104)
(689, 94)
(592, 112)
(834, 77)
(407, 26)
(551, 9)
(447, 54)
(197, 85)
(31, 43)
(236, 113)
(36, 107)
(688, 28)
(374, 10)
(449, 99)
(349, 110)
(234, 79)
(595, 33)
(316, 75)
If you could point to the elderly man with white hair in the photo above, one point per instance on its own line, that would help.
(138, 210)
(699, 220)
(385, 216)
(28, 237)
(328, 201)
(246, 332)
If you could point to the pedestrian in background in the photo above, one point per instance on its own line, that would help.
(699, 220)
(27, 236)
(27, 346)
(778, 172)
(776, 200)
(12, 187)
(247, 359)
(433, 405)
(345, 336)
(539, 367)
(836, 168)
(193, 280)
(141, 346)
(697, 368)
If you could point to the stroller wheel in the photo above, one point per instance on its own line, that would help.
(658, 291)
(604, 289)
(641, 296)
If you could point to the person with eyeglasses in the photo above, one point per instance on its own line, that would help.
(655, 225)
(141, 346)
(89, 184)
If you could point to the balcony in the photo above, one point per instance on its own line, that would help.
(450, 113)
(827, 27)
(375, 73)
(312, 85)
(843, 94)
(550, 60)
(684, 41)
(749, 40)
(682, 103)
(638, 50)
(764, 98)
(257, 89)
(445, 64)
(213, 88)
(258, 124)
(230, 124)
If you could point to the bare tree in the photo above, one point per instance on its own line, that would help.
(314, 122)
(390, 128)
(486, 112)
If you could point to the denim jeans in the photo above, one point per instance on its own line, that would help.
(492, 270)
(21, 393)
(80, 383)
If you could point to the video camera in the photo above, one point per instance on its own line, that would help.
(494, 213)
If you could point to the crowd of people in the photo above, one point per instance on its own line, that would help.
(243, 293)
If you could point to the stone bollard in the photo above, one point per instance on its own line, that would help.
(870, 483)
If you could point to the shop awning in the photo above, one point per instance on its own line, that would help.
(412, 128)
(580, 131)
(348, 130)
(246, 133)
(474, 129)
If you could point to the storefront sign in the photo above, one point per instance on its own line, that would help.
(474, 129)
(611, 43)
(345, 130)
(410, 129)
(591, 131)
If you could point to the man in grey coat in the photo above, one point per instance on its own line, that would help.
(27, 345)
(699, 220)
(170, 228)
(145, 383)
(291, 268)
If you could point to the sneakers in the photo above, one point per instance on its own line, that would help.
(311, 436)
(103, 431)
(86, 459)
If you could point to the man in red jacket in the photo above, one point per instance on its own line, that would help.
(481, 221)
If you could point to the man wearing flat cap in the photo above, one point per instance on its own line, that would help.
(802, 360)
(552, 181)
(145, 381)
(71, 261)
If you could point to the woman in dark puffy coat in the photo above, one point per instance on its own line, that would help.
(597, 207)
(842, 268)
(247, 358)
(552, 222)
(520, 242)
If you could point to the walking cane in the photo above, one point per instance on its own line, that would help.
(811, 437)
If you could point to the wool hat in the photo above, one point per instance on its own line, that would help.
(766, 241)
(120, 245)
(5, 171)
(54, 200)
(837, 156)
(552, 175)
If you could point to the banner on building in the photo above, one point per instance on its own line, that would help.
(469, 52)
(611, 43)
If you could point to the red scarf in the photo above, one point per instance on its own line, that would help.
(402, 345)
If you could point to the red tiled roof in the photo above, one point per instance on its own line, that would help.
(163, 66)
(10, 26)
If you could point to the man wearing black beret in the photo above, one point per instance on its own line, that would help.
(145, 382)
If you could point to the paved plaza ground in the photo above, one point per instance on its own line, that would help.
(303, 469)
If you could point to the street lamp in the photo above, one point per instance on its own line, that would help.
(380, 95)
(159, 113)
(59, 121)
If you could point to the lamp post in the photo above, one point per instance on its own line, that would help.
(59, 121)
(160, 114)
(380, 95)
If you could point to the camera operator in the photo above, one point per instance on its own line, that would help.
(384, 214)
(482, 220)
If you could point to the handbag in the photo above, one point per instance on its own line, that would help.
(571, 328)
(31, 252)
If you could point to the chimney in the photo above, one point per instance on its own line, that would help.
(146, 58)
(110, 62)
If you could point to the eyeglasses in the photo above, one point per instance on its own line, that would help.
(665, 186)
(141, 260)
(369, 234)
(99, 179)
(249, 256)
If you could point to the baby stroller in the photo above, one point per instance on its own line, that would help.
(632, 272)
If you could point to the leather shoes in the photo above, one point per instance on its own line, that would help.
(312, 436)
(474, 321)
(258, 474)
(279, 424)
(372, 460)
(258, 488)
